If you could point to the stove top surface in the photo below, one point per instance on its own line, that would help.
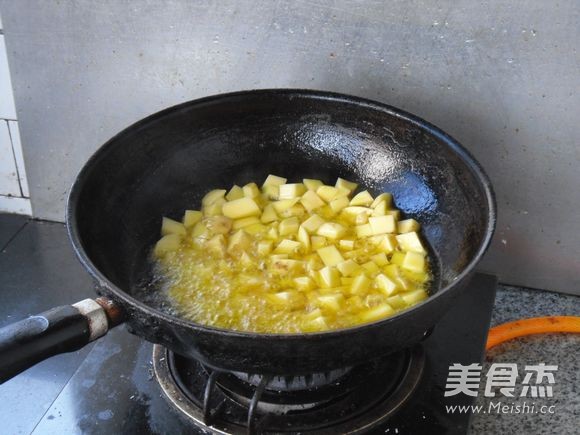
(115, 389)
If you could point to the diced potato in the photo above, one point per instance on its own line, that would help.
(246, 260)
(215, 208)
(274, 180)
(236, 192)
(241, 208)
(385, 197)
(330, 255)
(218, 224)
(348, 268)
(316, 324)
(312, 184)
(264, 247)
(289, 226)
(311, 201)
(361, 219)
(326, 212)
(396, 301)
(269, 214)
(337, 204)
(353, 212)
(331, 230)
(411, 242)
(377, 313)
(346, 244)
(386, 285)
(284, 204)
(393, 272)
(272, 233)
(380, 259)
(407, 226)
(304, 239)
(380, 209)
(166, 244)
(398, 258)
(304, 283)
(295, 210)
(363, 198)
(387, 243)
(313, 223)
(416, 277)
(287, 247)
(363, 230)
(382, 224)
(290, 191)
(371, 267)
(288, 299)
(212, 196)
(360, 285)
(251, 190)
(239, 242)
(332, 302)
(199, 231)
(414, 262)
(317, 242)
(216, 245)
(327, 193)
(414, 296)
(191, 217)
(245, 222)
(286, 266)
(344, 184)
(271, 192)
(346, 281)
(329, 277)
(314, 263)
(395, 213)
(169, 226)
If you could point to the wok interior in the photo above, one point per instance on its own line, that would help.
(165, 164)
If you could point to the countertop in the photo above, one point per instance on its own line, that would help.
(39, 270)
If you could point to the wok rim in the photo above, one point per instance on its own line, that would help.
(290, 93)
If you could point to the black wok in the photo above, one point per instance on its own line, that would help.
(166, 162)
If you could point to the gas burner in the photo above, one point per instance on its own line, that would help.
(351, 400)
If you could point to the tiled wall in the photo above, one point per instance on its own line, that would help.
(14, 196)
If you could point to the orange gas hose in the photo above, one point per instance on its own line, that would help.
(535, 325)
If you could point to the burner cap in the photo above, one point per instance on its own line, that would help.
(349, 401)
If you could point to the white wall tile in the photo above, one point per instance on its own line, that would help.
(9, 184)
(17, 148)
(11, 204)
(7, 109)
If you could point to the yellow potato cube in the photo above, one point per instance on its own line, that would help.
(287, 246)
(269, 214)
(317, 242)
(382, 224)
(380, 209)
(361, 219)
(236, 192)
(346, 281)
(264, 247)
(371, 267)
(386, 285)
(256, 228)
(396, 301)
(295, 210)
(239, 241)
(327, 193)
(199, 231)
(272, 233)
(313, 223)
(360, 285)
(312, 184)
(313, 263)
(387, 243)
(241, 208)
(304, 239)
(329, 277)
(344, 184)
(408, 225)
(414, 262)
(398, 258)
(166, 244)
(274, 180)
(380, 259)
(212, 196)
(377, 313)
(363, 198)
(311, 201)
(284, 204)
(411, 242)
(363, 230)
(271, 192)
(337, 204)
(353, 212)
(316, 324)
(245, 222)
(215, 208)
(289, 299)
(304, 283)
(414, 296)
(289, 226)
(325, 212)
(393, 272)
(348, 268)
(331, 230)
(386, 197)
(395, 213)
(330, 255)
(286, 266)
(332, 302)
(290, 191)
(191, 217)
(346, 244)
(216, 245)
(218, 224)
(251, 190)
(169, 226)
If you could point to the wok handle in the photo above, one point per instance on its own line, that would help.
(58, 330)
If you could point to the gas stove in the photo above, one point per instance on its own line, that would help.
(126, 385)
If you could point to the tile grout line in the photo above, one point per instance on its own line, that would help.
(14, 236)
